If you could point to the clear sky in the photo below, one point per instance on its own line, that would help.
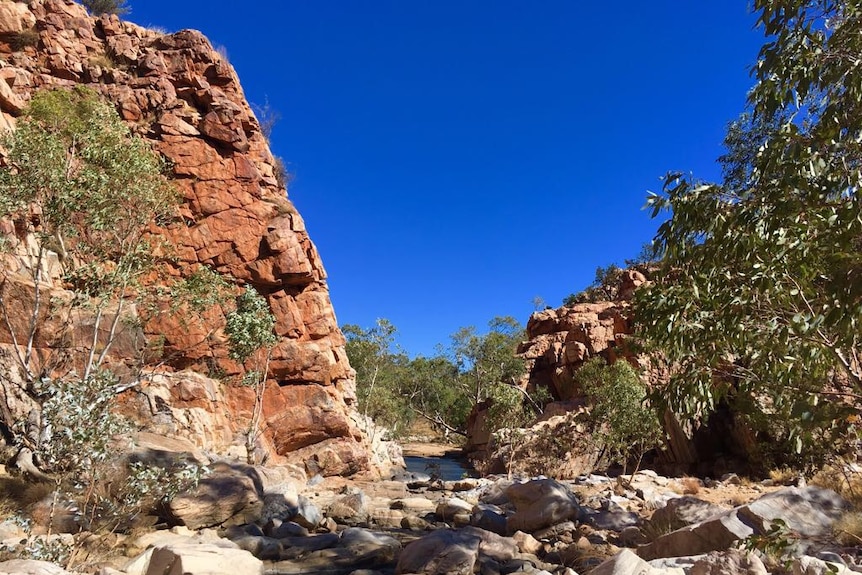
(454, 159)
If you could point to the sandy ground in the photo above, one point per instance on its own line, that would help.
(430, 450)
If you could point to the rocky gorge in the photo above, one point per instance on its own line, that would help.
(327, 496)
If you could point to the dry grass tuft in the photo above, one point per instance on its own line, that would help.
(690, 485)
(23, 39)
(103, 61)
(842, 480)
(17, 496)
(848, 529)
(653, 528)
(784, 476)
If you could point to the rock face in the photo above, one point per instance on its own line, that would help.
(560, 340)
(177, 91)
(558, 343)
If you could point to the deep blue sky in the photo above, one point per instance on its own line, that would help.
(454, 159)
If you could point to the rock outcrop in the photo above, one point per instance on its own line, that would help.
(560, 340)
(235, 218)
(558, 343)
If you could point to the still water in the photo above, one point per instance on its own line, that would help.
(450, 468)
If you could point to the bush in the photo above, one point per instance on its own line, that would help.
(604, 287)
(99, 7)
(23, 39)
(624, 423)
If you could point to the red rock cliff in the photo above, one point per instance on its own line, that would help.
(180, 93)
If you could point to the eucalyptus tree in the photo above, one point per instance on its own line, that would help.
(759, 299)
(84, 192)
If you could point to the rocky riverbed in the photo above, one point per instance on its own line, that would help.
(245, 519)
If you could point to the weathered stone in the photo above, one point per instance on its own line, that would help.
(357, 549)
(227, 497)
(15, 18)
(488, 517)
(264, 548)
(195, 559)
(448, 552)
(540, 503)
(352, 507)
(806, 565)
(452, 506)
(307, 513)
(729, 561)
(415, 504)
(30, 567)
(682, 511)
(810, 511)
(527, 543)
(627, 563)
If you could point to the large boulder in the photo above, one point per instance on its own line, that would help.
(229, 496)
(808, 511)
(540, 503)
(454, 552)
(195, 559)
(681, 511)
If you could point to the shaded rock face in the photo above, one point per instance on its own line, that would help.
(235, 218)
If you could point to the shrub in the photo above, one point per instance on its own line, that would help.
(250, 330)
(624, 423)
(99, 7)
(604, 287)
(23, 39)
(848, 529)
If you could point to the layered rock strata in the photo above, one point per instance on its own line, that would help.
(235, 218)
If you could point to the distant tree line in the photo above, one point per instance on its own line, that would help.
(394, 390)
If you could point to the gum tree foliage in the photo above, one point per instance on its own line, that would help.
(81, 186)
(393, 389)
(624, 424)
(381, 372)
(490, 369)
(604, 287)
(759, 300)
(99, 7)
(250, 328)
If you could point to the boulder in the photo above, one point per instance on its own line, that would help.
(307, 513)
(194, 559)
(489, 517)
(681, 511)
(809, 511)
(454, 552)
(356, 549)
(450, 507)
(540, 503)
(349, 508)
(31, 567)
(806, 565)
(730, 561)
(627, 563)
(227, 497)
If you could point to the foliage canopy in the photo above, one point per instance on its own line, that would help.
(759, 299)
(99, 7)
